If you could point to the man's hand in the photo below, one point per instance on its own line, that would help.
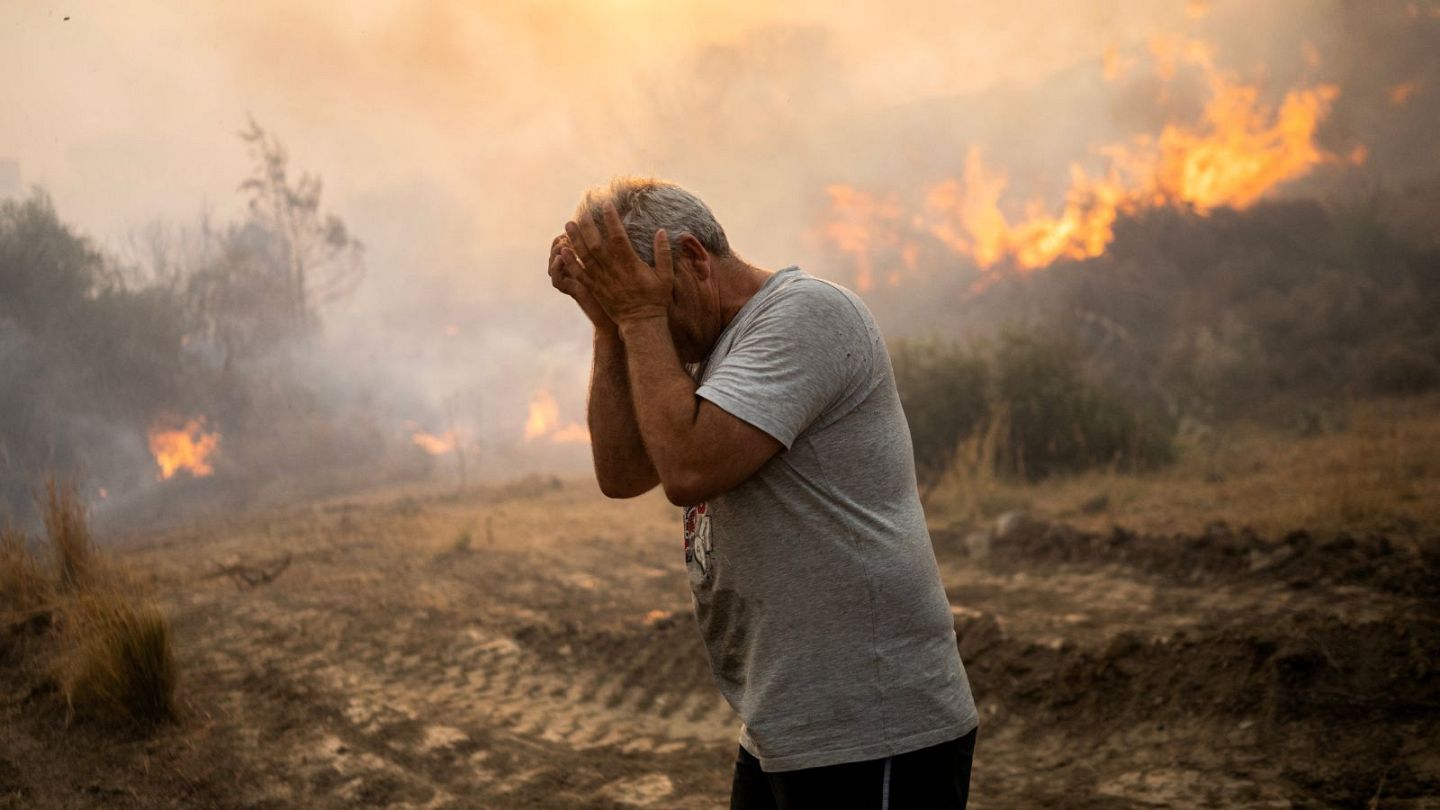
(566, 282)
(627, 288)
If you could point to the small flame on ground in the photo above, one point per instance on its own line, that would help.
(187, 448)
(1401, 93)
(433, 444)
(543, 421)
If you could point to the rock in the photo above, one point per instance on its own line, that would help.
(977, 631)
(977, 544)
(1011, 522)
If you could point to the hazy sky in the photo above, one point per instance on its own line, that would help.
(491, 115)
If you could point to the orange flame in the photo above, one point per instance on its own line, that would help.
(187, 448)
(433, 444)
(1113, 64)
(1240, 151)
(861, 225)
(1400, 94)
(543, 421)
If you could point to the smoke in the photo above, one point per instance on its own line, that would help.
(454, 139)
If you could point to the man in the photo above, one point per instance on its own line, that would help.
(764, 403)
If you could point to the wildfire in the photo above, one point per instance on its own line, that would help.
(1113, 64)
(1400, 94)
(433, 444)
(187, 448)
(1240, 150)
(543, 421)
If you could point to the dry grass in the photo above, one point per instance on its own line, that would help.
(116, 662)
(1379, 472)
(69, 534)
(24, 587)
(107, 648)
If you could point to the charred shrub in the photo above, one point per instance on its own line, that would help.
(1402, 370)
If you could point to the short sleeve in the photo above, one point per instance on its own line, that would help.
(802, 354)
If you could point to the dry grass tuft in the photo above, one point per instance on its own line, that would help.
(69, 534)
(24, 588)
(103, 642)
(117, 664)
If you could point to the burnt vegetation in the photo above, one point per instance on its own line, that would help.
(210, 321)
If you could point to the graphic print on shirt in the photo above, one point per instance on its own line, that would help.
(697, 536)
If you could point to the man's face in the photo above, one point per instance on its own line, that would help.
(694, 314)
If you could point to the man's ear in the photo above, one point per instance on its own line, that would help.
(698, 256)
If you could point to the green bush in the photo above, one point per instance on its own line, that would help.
(943, 390)
(1053, 419)
(1026, 408)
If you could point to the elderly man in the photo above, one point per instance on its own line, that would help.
(764, 403)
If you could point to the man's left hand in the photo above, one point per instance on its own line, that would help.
(626, 287)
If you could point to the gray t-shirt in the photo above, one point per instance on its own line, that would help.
(815, 583)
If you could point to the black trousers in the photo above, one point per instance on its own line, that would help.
(935, 778)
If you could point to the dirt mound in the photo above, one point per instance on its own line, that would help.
(1336, 702)
(1299, 559)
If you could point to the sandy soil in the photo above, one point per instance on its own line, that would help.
(531, 646)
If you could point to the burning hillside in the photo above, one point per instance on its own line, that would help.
(1240, 150)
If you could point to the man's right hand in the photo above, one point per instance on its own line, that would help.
(564, 281)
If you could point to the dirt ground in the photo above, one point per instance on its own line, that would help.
(531, 646)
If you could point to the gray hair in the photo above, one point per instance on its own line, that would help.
(646, 205)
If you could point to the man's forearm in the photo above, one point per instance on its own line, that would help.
(621, 464)
(666, 413)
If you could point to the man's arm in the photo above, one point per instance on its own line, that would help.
(622, 466)
(699, 450)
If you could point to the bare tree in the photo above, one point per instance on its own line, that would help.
(322, 262)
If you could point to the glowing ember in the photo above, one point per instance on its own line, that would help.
(1240, 151)
(1401, 93)
(188, 448)
(543, 421)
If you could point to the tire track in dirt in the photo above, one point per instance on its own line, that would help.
(469, 712)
